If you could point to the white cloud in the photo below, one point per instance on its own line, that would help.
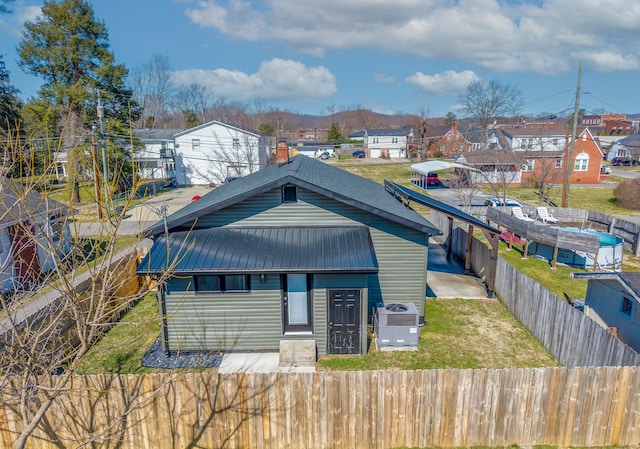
(446, 83)
(276, 80)
(384, 79)
(14, 22)
(543, 36)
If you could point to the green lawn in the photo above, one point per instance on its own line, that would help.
(121, 350)
(460, 334)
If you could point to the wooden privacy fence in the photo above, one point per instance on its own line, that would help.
(350, 410)
(570, 336)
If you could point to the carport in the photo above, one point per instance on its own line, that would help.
(492, 234)
(419, 172)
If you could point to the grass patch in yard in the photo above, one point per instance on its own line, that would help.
(121, 350)
(556, 280)
(461, 334)
(598, 199)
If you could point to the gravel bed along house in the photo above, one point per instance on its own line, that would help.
(157, 358)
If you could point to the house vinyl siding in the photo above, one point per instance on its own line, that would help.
(246, 321)
(603, 306)
(401, 251)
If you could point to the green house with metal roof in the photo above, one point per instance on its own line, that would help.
(300, 250)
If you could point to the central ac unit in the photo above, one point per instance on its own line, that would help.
(397, 325)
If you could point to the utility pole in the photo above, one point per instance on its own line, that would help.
(105, 172)
(96, 173)
(572, 144)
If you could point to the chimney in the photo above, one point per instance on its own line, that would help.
(282, 153)
(454, 126)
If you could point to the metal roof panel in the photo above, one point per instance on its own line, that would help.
(309, 249)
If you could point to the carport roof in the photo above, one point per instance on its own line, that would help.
(228, 250)
(412, 195)
(427, 166)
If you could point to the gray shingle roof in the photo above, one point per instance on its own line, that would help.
(18, 204)
(310, 174)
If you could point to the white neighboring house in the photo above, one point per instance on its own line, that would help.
(214, 151)
(385, 142)
(156, 159)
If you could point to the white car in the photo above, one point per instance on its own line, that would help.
(498, 202)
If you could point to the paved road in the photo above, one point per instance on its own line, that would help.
(139, 217)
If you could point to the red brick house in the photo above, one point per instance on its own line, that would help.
(542, 158)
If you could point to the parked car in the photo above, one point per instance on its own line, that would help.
(431, 179)
(620, 161)
(498, 202)
(359, 154)
(605, 169)
(325, 155)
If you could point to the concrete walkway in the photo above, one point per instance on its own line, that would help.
(262, 362)
(446, 277)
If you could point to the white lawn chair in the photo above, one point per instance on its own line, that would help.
(545, 216)
(517, 212)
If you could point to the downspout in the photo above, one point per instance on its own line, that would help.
(163, 313)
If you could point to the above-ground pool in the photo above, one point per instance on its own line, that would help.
(609, 255)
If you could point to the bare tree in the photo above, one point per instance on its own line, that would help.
(194, 98)
(60, 293)
(152, 89)
(489, 100)
(545, 163)
(464, 187)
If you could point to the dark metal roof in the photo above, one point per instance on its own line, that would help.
(264, 249)
(411, 195)
(156, 134)
(310, 174)
(386, 132)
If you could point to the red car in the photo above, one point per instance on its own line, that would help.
(431, 179)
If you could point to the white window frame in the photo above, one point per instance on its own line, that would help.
(529, 165)
(582, 162)
(195, 144)
(558, 163)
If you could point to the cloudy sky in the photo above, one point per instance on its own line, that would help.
(410, 56)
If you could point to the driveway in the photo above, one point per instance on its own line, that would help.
(446, 277)
(139, 217)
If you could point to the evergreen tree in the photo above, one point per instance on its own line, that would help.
(9, 101)
(335, 135)
(68, 48)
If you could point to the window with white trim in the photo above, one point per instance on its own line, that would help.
(582, 162)
(528, 165)
(195, 144)
(558, 163)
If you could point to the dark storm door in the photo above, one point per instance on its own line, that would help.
(344, 321)
(25, 253)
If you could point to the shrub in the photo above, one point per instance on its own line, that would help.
(628, 194)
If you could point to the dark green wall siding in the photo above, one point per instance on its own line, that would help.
(245, 321)
(253, 321)
(401, 252)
